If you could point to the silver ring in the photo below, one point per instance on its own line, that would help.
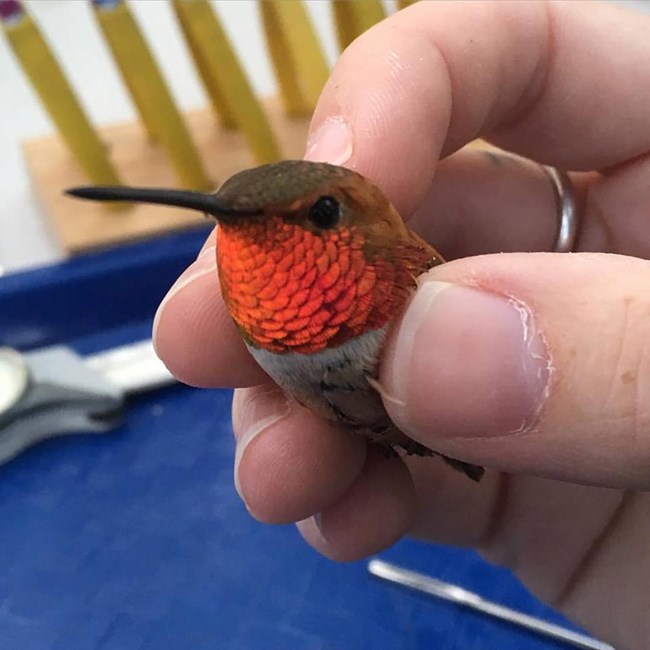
(567, 228)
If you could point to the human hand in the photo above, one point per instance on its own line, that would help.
(532, 364)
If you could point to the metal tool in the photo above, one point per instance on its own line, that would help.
(54, 391)
(459, 595)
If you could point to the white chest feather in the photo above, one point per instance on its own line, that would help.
(333, 382)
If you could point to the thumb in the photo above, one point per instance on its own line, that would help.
(533, 363)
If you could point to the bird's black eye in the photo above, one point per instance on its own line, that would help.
(325, 213)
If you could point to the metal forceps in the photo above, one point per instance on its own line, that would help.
(455, 594)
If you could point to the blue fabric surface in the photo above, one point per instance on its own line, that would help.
(136, 539)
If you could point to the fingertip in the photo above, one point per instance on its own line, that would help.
(374, 513)
(384, 113)
(331, 142)
(289, 463)
(451, 509)
(204, 264)
(194, 335)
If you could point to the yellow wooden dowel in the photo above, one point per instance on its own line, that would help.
(58, 98)
(298, 58)
(150, 93)
(226, 83)
(353, 17)
(402, 4)
(186, 16)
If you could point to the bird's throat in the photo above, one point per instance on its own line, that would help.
(291, 289)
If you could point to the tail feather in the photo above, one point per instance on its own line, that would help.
(390, 437)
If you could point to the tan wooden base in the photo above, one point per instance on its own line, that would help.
(82, 225)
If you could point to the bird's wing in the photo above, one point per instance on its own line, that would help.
(428, 251)
(414, 257)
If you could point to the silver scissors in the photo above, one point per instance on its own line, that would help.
(54, 391)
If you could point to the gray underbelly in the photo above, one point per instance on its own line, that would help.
(334, 382)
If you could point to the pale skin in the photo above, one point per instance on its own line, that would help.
(534, 365)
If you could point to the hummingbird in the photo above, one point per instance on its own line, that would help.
(315, 266)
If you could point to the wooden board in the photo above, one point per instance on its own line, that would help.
(81, 225)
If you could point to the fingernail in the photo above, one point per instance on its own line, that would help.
(318, 522)
(204, 264)
(466, 363)
(255, 411)
(311, 530)
(331, 142)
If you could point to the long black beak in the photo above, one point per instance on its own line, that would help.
(209, 203)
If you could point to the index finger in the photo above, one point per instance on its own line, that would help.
(560, 82)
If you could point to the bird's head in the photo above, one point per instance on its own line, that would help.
(305, 250)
